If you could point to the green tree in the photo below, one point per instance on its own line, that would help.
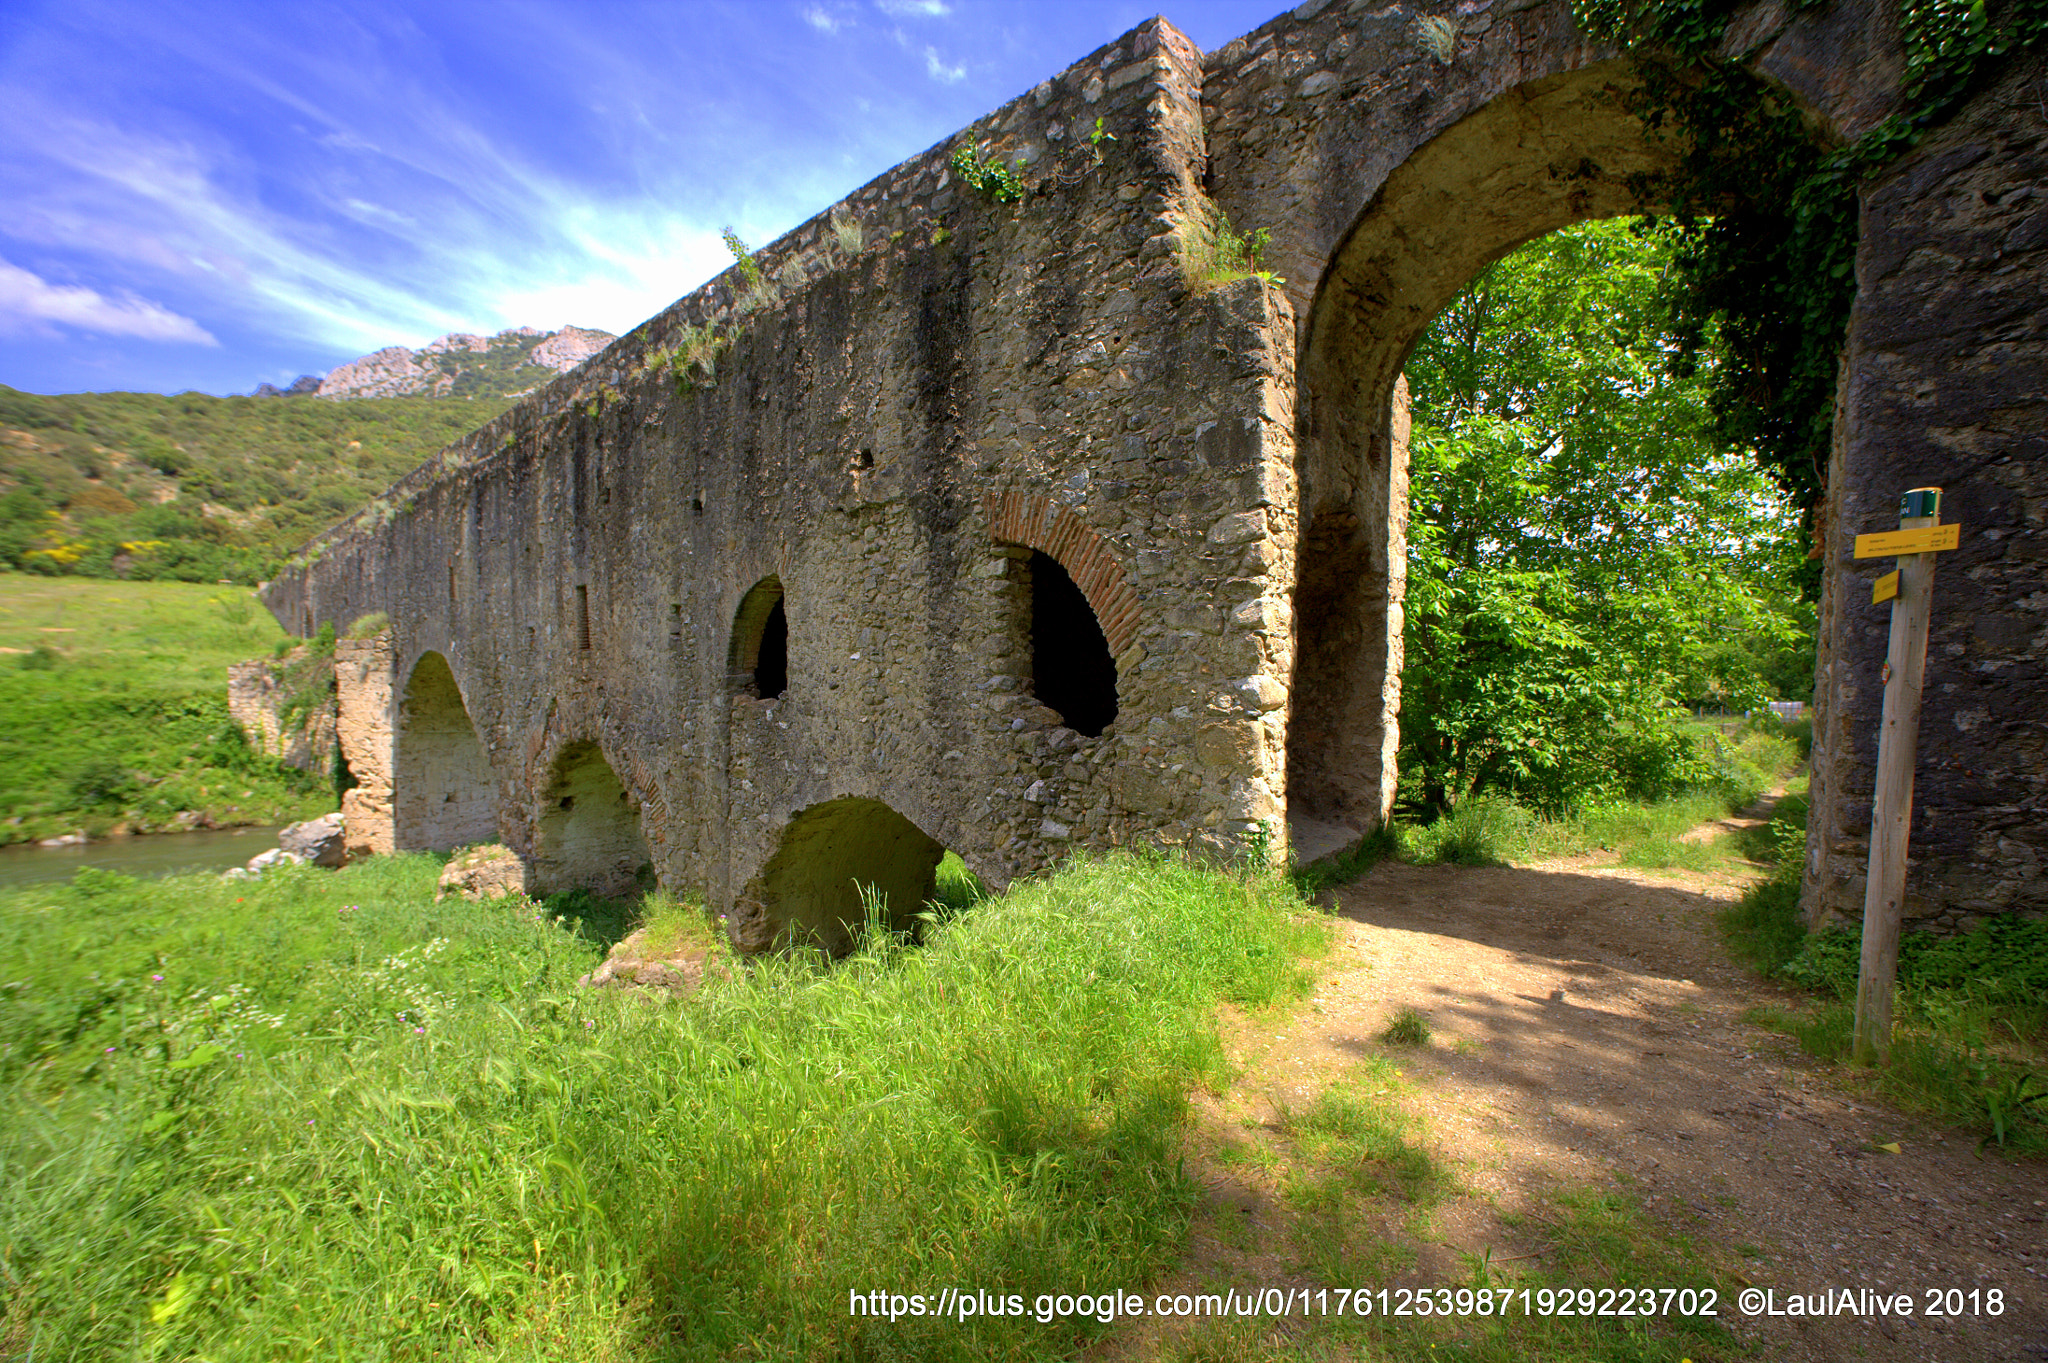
(1585, 559)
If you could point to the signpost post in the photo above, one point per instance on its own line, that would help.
(1910, 590)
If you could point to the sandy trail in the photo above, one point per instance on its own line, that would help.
(1586, 1031)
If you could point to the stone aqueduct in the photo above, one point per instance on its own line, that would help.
(991, 533)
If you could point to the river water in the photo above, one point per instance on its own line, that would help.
(157, 854)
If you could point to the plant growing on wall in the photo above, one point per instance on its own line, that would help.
(756, 291)
(848, 232)
(991, 179)
(694, 349)
(1213, 252)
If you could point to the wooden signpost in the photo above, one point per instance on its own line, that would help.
(1910, 590)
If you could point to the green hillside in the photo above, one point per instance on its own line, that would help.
(195, 488)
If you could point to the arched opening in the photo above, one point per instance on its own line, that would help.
(444, 793)
(1517, 595)
(1536, 158)
(588, 834)
(809, 892)
(758, 660)
(1072, 671)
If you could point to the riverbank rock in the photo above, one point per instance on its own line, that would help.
(67, 840)
(320, 841)
(485, 872)
(263, 861)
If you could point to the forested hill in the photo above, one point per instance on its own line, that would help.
(196, 488)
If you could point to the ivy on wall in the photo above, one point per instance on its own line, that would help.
(1766, 216)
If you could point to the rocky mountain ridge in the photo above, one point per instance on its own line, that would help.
(458, 365)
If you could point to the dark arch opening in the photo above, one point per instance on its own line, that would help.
(809, 892)
(758, 662)
(1072, 671)
(444, 794)
(588, 834)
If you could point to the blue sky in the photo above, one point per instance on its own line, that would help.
(212, 196)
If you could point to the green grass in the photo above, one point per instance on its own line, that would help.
(1969, 1019)
(1489, 831)
(1409, 1028)
(318, 1115)
(123, 720)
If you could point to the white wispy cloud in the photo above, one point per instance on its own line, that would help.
(28, 302)
(936, 68)
(503, 244)
(821, 20)
(915, 9)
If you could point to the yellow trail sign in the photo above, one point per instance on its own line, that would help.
(1885, 588)
(1920, 540)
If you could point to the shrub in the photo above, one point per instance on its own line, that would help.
(368, 626)
(1481, 831)
(991, 179)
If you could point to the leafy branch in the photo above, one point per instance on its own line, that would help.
(991, 179)
(1767, 218)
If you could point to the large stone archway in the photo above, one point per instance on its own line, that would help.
(587, 830)
(444, 794)
(1537, 157)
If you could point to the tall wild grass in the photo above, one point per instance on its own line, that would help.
(320, 1116)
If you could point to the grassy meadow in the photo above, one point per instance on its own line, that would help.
(316, 1116)
(193, 488)
(115, 696)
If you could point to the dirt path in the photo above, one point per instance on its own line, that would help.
(1586, 1034)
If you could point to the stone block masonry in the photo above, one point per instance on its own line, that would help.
(987, 527)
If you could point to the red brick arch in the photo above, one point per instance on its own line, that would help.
(1039, 523)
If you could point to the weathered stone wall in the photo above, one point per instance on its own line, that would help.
(1221, 471)
(860, 443)
(286, 708)
(1946, 385)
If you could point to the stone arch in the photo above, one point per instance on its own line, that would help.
(757, 661)
(444, 793)
(587, 835)
(1535, 158)
(808, 892)
(1040, 523)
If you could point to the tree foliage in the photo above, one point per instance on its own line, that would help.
(1766, 215)
(1585, 559)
